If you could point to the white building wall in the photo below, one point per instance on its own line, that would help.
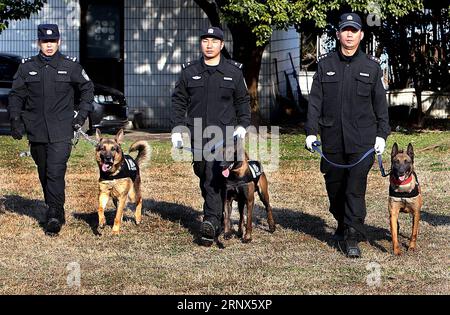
(20, 37)
(159, 36)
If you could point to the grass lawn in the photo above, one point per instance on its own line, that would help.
(160, 256)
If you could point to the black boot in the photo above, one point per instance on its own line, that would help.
(338, 235)
(55, 221)
(53, 227)
(208, 233)
(351, 248)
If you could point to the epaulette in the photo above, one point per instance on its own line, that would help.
(323, 56)
(373, 58)
(235, 63)
(189, 63)
(26, 59)
(74, 59)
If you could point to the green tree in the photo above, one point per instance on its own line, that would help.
(252, 22)
(419, 51)
(11, 10)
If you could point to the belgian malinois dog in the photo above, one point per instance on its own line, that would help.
(404, 194)
(242, 179)
(120, 177)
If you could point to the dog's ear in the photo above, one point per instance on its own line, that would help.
(119, 136)
(410, 151)
(394, 151)
(98, 135)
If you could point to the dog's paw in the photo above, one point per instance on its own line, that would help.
(247, 239)
(412, 247)
(272, 228)
(116, 231)
(228, 235)
(397, 252)
(102, 223)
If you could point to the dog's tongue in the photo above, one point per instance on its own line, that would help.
(226, 172)
(402, 178)
(105, 167)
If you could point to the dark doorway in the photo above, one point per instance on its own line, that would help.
(101, 41)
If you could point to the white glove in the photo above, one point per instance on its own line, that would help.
(309, 141)
(177, 140)
(380, 144)
(240, 132)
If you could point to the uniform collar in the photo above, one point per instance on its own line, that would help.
(355, 56)
(220, 66)
(54, 62)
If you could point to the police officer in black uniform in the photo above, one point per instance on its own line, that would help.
(347, 106)
(210, 92)
(42, 97)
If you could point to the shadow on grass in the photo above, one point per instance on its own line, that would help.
(33, 208)
(434, 219)
(91, 218)
(187, 217)
(316, 227)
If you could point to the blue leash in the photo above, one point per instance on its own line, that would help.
(218, 145)
(317, 144)
(380, 164)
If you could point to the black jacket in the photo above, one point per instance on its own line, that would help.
(220, 99)
(43, 96)
(348, 102)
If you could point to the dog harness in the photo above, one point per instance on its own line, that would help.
(256, 170)
(129, 168)
(403, 194)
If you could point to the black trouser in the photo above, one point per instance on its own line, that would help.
(51, 160)
(346, 188)
(211, 185)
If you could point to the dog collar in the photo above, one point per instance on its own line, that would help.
(397, 182)
(404, 194)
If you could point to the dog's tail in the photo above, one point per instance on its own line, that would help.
(143, 149)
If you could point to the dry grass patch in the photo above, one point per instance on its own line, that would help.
(160, 256)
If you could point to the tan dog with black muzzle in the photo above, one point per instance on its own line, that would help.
(120, 177)
(404, 194)
(242, 179)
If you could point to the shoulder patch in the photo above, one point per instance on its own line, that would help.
(74, 59)
(235, 63)
(26, 59)
(188, 64)
(373, 58)
(323, 56)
